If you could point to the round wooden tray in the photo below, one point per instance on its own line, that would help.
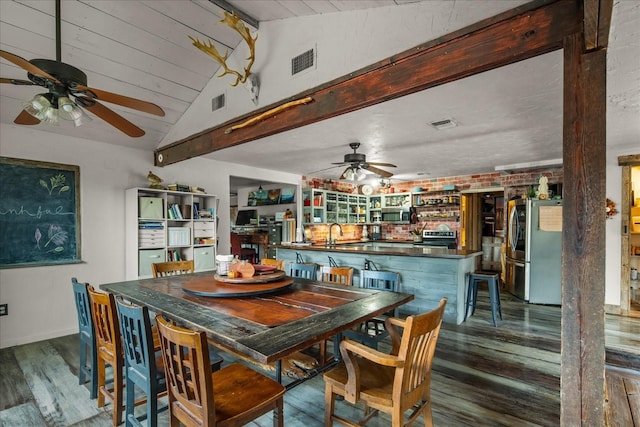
(210, 287)
(258, 278)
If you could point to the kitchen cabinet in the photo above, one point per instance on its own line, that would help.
(437, 205)
(164, 225)
(327, 207)
(313, 206)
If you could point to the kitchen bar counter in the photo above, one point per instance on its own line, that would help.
(386, 247)
(427, 273)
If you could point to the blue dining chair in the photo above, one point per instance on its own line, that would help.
(143, 367)
(87, 340)
(304, 271)
(372, 331)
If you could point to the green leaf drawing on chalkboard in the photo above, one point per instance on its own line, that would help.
(58, 249)
(56, 181)
(56, 235)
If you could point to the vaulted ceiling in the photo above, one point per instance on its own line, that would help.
(141, 49)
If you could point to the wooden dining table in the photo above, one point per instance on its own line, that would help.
(265, 326)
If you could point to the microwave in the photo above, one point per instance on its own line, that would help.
(398, 215)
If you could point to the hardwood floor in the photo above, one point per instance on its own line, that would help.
(482, 376)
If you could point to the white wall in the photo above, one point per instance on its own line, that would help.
(40, 299)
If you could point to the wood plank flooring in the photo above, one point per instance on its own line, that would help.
(482, 376)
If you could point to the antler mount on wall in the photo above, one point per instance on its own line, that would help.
(246, 77)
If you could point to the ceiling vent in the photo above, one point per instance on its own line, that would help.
(304, 61)
(443, 124)
(218, 102)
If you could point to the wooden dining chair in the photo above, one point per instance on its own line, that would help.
(109, 346)
(232, 396)
(143, 364)
(304, 271)
(372, 331)
(337, 275)
(170, 268)
(88, 352)
(277, 263)
(392, 383)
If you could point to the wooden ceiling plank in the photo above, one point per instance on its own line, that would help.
(493, 43)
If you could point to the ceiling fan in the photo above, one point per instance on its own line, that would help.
(65, 82)
(358, 165)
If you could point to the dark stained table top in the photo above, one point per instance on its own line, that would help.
(265, 327)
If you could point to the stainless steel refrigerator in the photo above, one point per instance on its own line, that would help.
(534, 250)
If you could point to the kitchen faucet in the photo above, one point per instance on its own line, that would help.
(332, 242)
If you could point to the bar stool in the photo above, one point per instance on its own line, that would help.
(494, 293)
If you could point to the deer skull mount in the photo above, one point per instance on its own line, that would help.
(249, 80)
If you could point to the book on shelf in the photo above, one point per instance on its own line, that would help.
(196, 209)
(174, 212)
(174, 255)
(151, 225)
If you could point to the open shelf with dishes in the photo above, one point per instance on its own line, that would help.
(442, 205)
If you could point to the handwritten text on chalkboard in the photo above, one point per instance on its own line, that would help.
(39, 213)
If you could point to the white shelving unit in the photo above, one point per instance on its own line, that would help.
(163, 225)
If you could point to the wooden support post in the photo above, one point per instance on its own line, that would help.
(583, 267)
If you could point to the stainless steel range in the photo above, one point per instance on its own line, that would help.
(439, 239)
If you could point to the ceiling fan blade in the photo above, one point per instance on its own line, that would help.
(125, 101)
(377, 171)
(388, 165)
(339, 163)
(23, 63)
(111, 117)
(25, 118)
(16, 82)
(322, 170)
(344, 174)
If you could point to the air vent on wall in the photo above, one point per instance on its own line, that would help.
(218, 102)
(303, 62)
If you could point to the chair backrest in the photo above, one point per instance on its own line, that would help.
(185, 355)
(83, 307)
(105, 321)
(337, 275)
(416, 347)
(305, 271)
(383, 280)
(171, 268)
(137, 342)
(279, 264)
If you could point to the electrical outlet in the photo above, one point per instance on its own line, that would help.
(4, 309)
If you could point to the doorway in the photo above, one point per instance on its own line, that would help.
(630, 211)
(483, 227)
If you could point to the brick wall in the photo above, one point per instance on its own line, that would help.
(514, 184)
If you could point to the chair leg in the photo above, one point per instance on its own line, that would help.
(494, 299)
(130, 403)
(117, 394)
(83, 363)
(93, 392)
(278, 415)
(101, 368)
(468, 301)
(329, 405)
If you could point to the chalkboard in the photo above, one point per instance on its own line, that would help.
(39, 213)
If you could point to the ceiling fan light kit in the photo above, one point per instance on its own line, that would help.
(358, 165)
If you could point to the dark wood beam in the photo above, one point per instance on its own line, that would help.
(522, 33)
(583, 250)
(596, 22)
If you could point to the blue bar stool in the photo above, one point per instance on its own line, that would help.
(493, 283)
